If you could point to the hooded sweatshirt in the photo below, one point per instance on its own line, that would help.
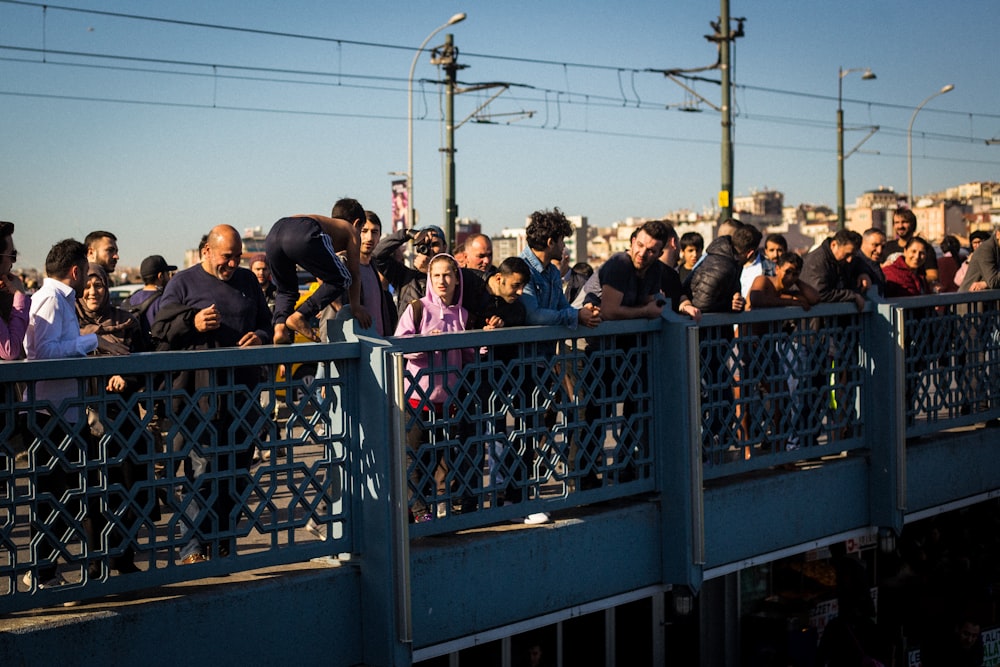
(435, 314)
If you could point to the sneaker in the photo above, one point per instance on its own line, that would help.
(537, 518)
(196, 557)
(313, 528)
(55, 582)
(423, 518)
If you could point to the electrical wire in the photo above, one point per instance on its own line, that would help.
(323, 78)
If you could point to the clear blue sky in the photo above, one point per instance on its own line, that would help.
(160, 157)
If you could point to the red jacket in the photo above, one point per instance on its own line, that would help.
(901, 280)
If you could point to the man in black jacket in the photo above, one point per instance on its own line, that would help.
(714, 284)
(869, 258)
(827, 269)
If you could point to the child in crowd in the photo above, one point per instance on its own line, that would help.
(692, 245)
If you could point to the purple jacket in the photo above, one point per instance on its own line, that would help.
(428, 368)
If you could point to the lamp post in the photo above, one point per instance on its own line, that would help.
(457, 18)
(909, 141)
(868, 74)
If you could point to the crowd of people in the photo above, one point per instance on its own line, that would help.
(226, 302)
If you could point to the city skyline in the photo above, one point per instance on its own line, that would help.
(169, 128)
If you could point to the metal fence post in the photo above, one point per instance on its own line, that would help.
(382, 540)
(884, 414)
(677, 432)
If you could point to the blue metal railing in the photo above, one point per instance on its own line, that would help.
(87, 494)
(952, 360)
(537, 419)
(552, 421)
(778, 385)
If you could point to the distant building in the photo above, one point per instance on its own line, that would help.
(464, 228)
(510, 243)
(577, 243)
(873, 209)
(968, 191)
(760, 203)
(940, 218)
(761, 208)
(253, 242)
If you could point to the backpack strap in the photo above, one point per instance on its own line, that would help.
(418, 313)
(140, 310)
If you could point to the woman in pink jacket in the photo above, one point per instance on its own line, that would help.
(430, 375)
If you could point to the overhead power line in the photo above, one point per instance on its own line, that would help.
(544, 95)
(538, 61)
(337, 80)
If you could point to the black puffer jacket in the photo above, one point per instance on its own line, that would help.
(716, 279)
(832, 279)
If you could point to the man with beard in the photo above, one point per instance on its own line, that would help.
(102, 248)
(54, 333)
(626, 287)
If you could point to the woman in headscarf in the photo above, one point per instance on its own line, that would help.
(128, 446)
(904, 275)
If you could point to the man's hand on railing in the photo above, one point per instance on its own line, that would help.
(864, 282)
(739, 303)
(690, 310)
(493, 322)
(589, 315)
(250, 339)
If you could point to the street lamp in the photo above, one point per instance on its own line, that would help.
(868, 75)
(909, 141)
(457, 18)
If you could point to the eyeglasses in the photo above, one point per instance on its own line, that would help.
(12, 254)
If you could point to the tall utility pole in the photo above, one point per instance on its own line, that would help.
(446, 57)
(726, 190)
(723, 37)
(411, 218)
(841, 73)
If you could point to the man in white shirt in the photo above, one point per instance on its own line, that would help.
(757, 265)
(54, 333)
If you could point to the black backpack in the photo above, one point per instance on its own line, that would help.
(139, 312)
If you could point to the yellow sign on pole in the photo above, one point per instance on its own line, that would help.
(723, 198)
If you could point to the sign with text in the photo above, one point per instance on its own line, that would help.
(991, 647)
(400, 205)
